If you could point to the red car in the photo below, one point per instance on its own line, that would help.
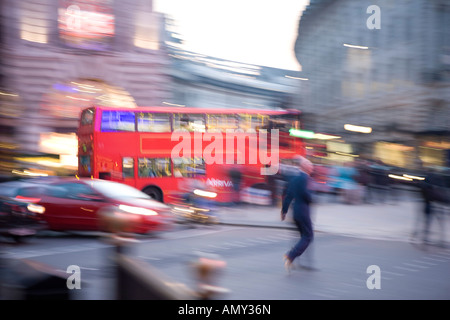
(85, 204)
(20, 220)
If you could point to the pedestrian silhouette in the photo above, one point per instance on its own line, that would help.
(433, 192)
(235, 175)
(297, 191)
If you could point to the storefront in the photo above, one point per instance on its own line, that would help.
(434, 151)
(61, 108)
(395, 154)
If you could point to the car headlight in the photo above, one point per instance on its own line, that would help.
(137, 210)
(35, 208)
(203, 193)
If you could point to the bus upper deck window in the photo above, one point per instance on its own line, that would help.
(153, 122)
(222, 122)
(249, 122)
(118, 121)
(189, 122)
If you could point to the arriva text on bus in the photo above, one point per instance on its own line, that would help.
(222, 145)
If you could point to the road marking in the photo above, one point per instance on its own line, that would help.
(325, 295)
(434, 259)
(92, 269)
(278, 237)
(294, 235)
(445, 255)
(234, 244)
(354, 285)
(241, 243)
(149, 258)
(54, 251)
(217, 247)
(264, 240)
(258, 241)
(425, 262)
(407, 269)
(359, 280)
(338, 290)
(415, 265)
(272, 240)
(190, 234)
(441, 256)
(392, 273)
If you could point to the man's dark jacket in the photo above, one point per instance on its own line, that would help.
(297, 190)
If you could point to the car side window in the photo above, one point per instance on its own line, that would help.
(57, 192)
(76, 190)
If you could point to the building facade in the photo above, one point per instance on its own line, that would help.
(380, 64)
(209, 82)
(59, 56)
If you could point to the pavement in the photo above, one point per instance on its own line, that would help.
(396, 220)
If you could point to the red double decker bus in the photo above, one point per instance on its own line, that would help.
(159, 149)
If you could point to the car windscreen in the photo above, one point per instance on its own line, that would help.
(15, 188)
(117, 190)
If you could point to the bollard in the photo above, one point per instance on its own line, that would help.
(207, 269)
(138, 280)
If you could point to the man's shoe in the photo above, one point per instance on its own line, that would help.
(287, 263)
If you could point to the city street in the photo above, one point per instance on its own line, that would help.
(172, 150)
(254, 266)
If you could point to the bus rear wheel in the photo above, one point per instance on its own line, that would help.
(154, 193)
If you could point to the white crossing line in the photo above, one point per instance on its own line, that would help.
(354, 285)
(324, 295)
(72, 248)
(445, 253)
(278, 237)
(434, 259)
(441, 256)
(191, 233)
(407, 269)
(217, 247)
(258, 241)
(53, 251)
(359, 280)
(242, 243)
(272, 240)
(337, 290)
(149, 258)
(392, 273)
(234, 244)
(91, 269)
(425, 262)
(60, 271)
(415, 265)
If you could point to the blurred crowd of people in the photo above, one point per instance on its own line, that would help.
(363, 181)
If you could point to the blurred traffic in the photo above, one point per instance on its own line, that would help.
(78, 204)
(20, 219)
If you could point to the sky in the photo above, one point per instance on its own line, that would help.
(260, 32)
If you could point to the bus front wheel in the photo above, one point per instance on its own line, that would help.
(154, 193)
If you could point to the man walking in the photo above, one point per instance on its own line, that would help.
(297, 190)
